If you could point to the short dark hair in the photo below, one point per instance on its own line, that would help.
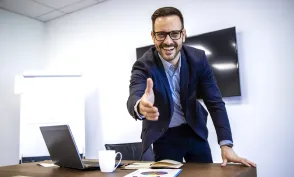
(166, 11)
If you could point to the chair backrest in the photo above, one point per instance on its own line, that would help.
(130, 151)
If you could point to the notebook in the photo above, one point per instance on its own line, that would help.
(163, 164)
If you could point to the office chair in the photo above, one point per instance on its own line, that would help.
(131, 151)
(33, 159)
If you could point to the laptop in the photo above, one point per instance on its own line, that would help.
(63, 150)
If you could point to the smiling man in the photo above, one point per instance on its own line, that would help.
(164, 85)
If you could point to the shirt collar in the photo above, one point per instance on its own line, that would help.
(168, 65)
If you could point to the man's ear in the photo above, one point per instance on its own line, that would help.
(184, 35)
(152, 35)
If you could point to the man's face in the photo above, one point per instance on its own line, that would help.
(168, 46)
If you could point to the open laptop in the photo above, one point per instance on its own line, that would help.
(63, 150)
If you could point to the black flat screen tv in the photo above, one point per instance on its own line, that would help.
(221, 50)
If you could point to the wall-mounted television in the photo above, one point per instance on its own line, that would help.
(221, 50)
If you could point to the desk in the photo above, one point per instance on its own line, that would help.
(189, 170)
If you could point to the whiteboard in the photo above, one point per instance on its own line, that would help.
(50, 101)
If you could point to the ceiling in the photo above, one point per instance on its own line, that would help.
(46, 10)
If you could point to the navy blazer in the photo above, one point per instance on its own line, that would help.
(196, 76)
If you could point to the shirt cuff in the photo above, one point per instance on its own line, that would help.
(226, 142)
(141, 117)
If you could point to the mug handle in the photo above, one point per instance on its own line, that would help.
(119, 160)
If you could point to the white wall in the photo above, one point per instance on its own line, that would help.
(21, 48)
(101, 42)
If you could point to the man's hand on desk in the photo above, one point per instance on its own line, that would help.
(228, 155)
(146, 107)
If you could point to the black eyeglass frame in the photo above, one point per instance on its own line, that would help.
(168, 33)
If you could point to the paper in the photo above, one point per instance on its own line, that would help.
(155, 173)
(47, 165)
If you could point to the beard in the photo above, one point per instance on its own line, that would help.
(169, 51)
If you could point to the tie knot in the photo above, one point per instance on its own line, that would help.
(172, 69)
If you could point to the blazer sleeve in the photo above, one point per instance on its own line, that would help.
(213, 100)
(137, 86)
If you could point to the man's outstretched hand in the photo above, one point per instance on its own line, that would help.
(146, 107)
(228, 155)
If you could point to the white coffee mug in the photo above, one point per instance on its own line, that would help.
(107, 160)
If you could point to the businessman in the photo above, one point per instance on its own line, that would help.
(164, 86)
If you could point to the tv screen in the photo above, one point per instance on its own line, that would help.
(221, 50)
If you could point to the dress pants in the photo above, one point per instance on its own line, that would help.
(182, 142)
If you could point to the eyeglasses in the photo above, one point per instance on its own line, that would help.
(174, 35)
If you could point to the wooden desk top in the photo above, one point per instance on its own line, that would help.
(189, 170)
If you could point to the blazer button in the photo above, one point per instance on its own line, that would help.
(163, 129)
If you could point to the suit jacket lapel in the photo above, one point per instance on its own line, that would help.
(164, 80)
(184, 79)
